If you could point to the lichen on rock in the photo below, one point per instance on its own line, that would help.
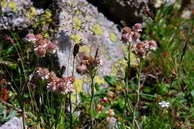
(97, 29)
(17, 14)
(80, 21)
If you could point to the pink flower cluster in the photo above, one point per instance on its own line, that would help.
(61, 85)
(88, 63)
(41, 45)
(131, 35)
(141, 49)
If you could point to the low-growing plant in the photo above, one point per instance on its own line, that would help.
(156, 93)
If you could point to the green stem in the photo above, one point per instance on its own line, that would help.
(92, 75)
(127, 77)
(71, 117)
(138, 95)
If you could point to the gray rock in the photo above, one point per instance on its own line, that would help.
(14, 123)
(17, 14)
(80, 21)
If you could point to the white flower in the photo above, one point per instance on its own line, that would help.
(164, 104)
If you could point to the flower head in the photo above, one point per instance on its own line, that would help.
(99, 108)
(127, 34)
(111, 113)
(164, 104)
(87, 64)
(30, 38)
(40, 51)
(55, 84)
(104, 100)
(42, 46)
(51, 47)
(141, 49)
(43, 73)
(137, 27)
(131, 35)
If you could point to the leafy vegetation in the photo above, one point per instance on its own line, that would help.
(158, 93)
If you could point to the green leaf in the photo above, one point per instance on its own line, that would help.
(9, 64)
(163, 89)
(111, 80)
(192, 93)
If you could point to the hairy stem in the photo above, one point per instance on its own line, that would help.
(138, 95)
(92, 75)
(127, 78)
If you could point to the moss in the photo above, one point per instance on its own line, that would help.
(78, 85)
(31, 13)
(77, 12)
(4, 3)
(97, 29)
(99, 80)
(46, 35)
(12, 5)
(85, 49)
(77, 23)
(76, 38)
(48, 15)
(113, 37)
(134, 59)
(119, 67)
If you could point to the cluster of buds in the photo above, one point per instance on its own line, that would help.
(104, 100)
(87, 64)
(41, 45)
(61, 85)
(141, 49)
(131, 35)
(111, 113)
(99, 108)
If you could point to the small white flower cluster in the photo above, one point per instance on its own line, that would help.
(61, 85)
(164, 104)
(41, 45)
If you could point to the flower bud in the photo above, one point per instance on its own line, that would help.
(81, 69)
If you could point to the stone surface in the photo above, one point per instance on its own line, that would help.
(14, 123)
(79, 21)
(17, 14)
